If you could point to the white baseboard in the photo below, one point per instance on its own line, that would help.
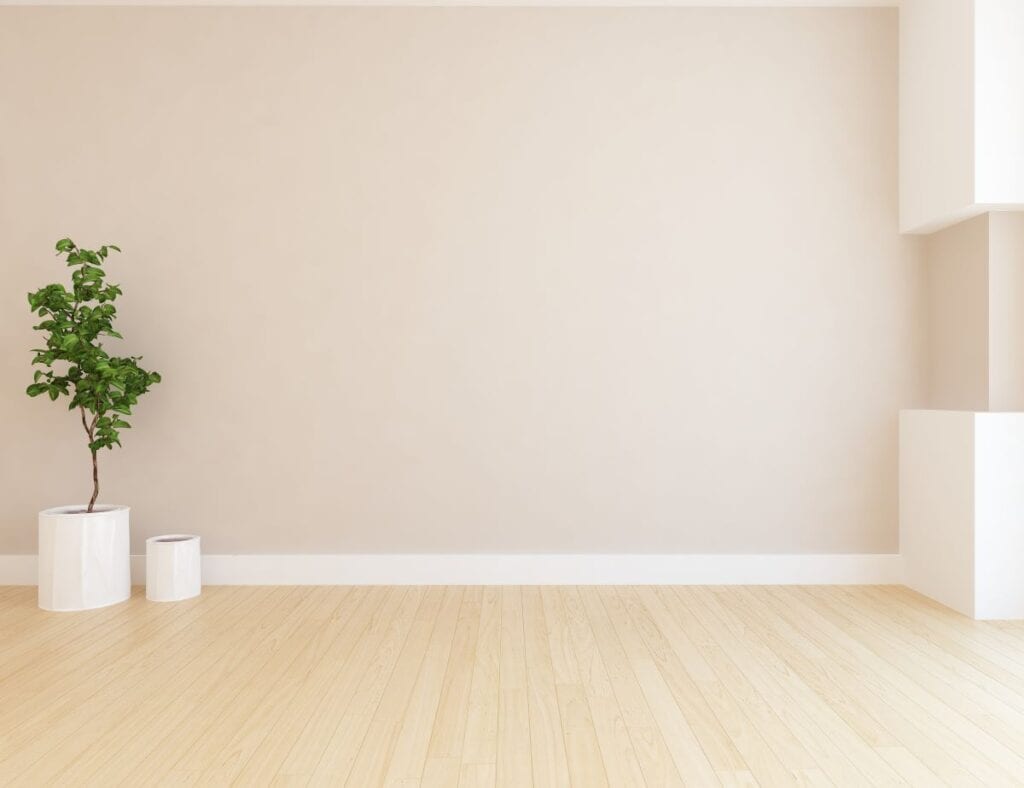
(520, 569)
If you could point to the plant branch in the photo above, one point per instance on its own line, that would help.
(90, 430)
(95, 482)
(74, 321)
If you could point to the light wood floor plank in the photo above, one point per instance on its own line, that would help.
(204, 645)
(684, 745)
(989, 699)
(196, 706)
(986, 634)
(18, 604)
(509, 686)
(304, 743)
(449, 730)
(919, 733)
(836, 740)
(809, 662)
(480, 743)
(86, 715)
(613, 735)
(291, 718)
(372, 715)
(735, 704)
(1000, 681)
(427, 644)
(515, 758)
(785, 696)
(582, 747)
(648, 739)
(975, 716)
(228, 741)
(931, 720)
(946, 637)
(867, 707)
(405, 763)
(73, 643)
(31, 626)
(751, 723)
(547, 736)
(254, 715)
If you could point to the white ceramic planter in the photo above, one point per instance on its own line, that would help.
(173, 569)
(84, 561)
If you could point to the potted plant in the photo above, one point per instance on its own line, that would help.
(83, 549)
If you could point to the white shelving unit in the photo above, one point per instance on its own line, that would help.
(962, 509)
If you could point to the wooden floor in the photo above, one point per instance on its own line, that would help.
(512, 686)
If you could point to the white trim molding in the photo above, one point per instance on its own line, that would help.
(521, 569)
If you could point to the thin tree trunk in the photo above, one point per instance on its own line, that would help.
(95, 483)
(95, 468)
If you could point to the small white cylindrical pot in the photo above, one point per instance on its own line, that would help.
(83, 557)
(172, 568)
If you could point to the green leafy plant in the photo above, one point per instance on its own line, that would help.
(103, 388)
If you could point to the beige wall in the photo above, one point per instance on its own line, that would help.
(957, 274)
(1006, 308)
(472, 280)
(975, 314)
